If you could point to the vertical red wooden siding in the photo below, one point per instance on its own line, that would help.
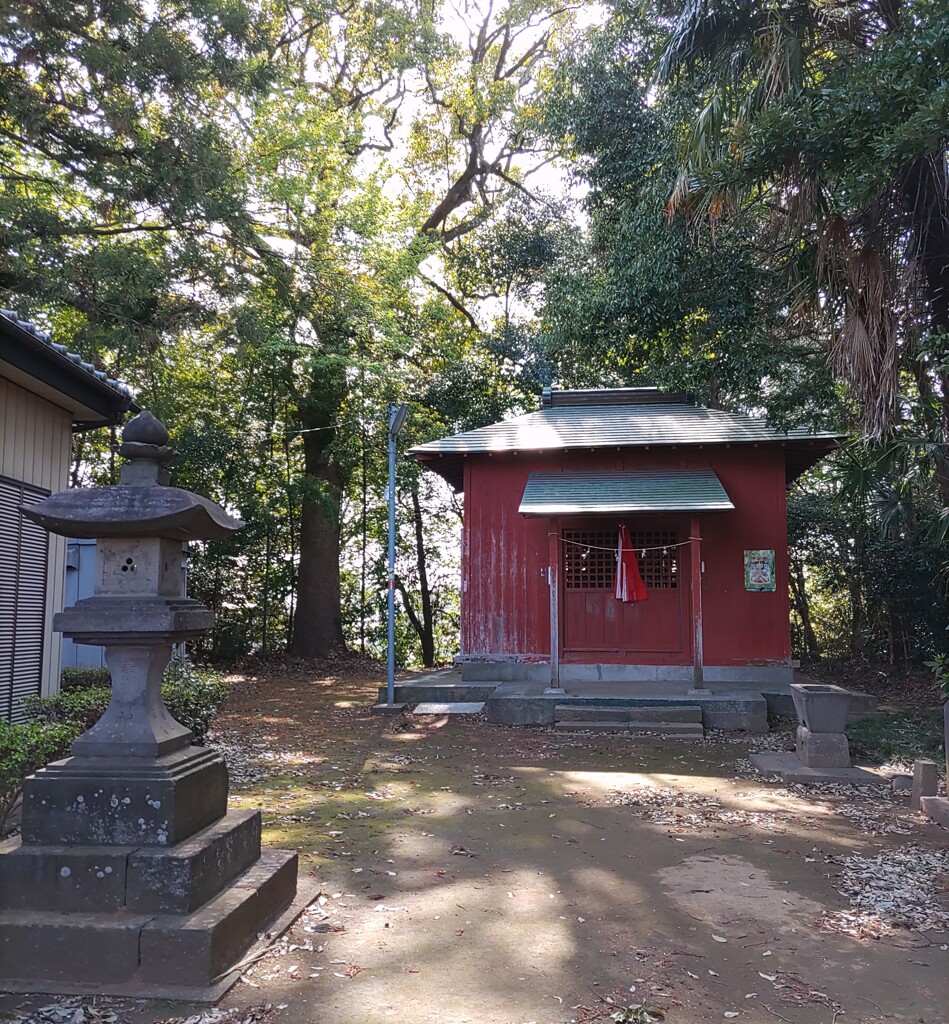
(505, 597)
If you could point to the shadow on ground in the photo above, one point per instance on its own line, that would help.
(475, 873)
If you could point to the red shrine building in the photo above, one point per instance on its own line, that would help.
(702, 496)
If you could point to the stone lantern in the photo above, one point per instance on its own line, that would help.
(130, 875)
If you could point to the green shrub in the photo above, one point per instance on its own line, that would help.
(83, 678)
(899, 736)
(78, 708)
(939, 666)
(24, 749)
(192, 695)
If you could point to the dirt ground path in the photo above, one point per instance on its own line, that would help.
(499, 876)
(474, 873)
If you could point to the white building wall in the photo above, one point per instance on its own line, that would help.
(35, 445)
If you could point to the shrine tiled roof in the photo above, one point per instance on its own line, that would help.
(46, 339)
(616, 418)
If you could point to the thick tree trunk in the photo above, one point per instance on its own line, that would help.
(318, 625)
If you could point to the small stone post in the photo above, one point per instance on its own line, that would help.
(937, 807)
(925, 782)
(131, 876)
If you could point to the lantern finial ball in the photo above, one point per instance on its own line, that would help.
(145, 429)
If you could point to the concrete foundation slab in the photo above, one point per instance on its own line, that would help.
(130, 953)
(78, 878)
(790, 769)
(450, 708)
(195, 949)
(141, 880)
(62, 948)
(529, 669)
(388, 709)
(307, 892)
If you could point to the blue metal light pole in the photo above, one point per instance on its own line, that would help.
(397, 415)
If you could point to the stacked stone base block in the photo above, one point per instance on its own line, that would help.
(822, 749)
(125, 801)
(138, 920)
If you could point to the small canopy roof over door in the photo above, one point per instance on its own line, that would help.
(610, 493)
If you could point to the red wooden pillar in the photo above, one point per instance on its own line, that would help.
(553, 550)
(695, 549)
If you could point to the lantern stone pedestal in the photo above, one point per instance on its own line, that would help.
(130, 876)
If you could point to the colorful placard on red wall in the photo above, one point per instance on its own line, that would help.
(759, 570)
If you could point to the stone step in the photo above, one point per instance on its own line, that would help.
(684, 713)
(411, 693)
(577, 713)
(122, 950)
(673, 730)
(585, 726)
(144, 880)
(470, 707)
(183, 878)
(203, 945)
(681, 730)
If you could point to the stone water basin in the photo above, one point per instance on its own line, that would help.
(821, 707)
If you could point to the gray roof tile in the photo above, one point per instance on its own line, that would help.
(44, 336)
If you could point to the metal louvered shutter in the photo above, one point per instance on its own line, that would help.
(24, 548)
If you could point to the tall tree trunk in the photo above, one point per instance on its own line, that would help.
(856, 613)
(318, 624)
(803, 609)
(926, 193)
(421, 619)
(427, 634)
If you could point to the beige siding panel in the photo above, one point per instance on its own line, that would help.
(35, 438)
(35, 448)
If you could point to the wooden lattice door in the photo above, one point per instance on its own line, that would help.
(598, 627)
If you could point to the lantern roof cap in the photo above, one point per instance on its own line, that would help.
(133, 511)
(142, 505)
